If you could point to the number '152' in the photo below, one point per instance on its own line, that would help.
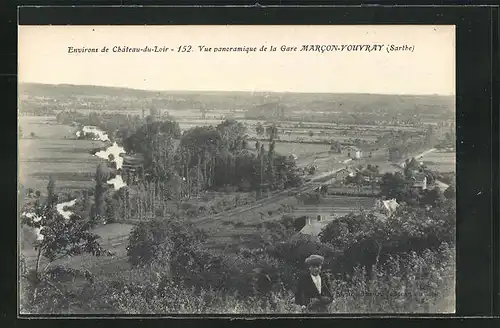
(184, 49)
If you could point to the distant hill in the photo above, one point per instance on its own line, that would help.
(375, 104)
(253, 102)
(71, 90)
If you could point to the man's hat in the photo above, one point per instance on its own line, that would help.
(314, 260)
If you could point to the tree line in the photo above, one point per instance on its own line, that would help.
(179, 165)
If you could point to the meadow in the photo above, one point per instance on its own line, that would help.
(51, 151)
(336, 205)
(440, 161)
(288, 131)
(302, 151)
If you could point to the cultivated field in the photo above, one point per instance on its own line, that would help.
(440, 161)
(335, 205)
(300, 150)
(289, 131)
(51, 152)
(230, 232)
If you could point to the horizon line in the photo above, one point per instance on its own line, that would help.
(241, 91)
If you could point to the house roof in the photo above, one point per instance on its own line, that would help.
(419, 176)
(390, 204)
(314, 228)
(441, 185)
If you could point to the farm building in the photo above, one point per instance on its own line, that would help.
(387, 207)
(441, 185)
(342, 174)
(332, 206)
(419, 181)
(314, 226)
(354, 152)
(94, 131)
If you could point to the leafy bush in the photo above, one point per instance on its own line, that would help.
(161, 240)
(367, 238)
(408, 283)
(297, 249)
(165, 297)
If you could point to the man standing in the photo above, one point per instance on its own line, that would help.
(314, 291)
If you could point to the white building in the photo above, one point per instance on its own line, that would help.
(315, 225)
(95, 131)
(354, 152)
(387, 207)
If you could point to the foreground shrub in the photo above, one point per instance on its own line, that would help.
(160, 240)
(368, 239)
(403, 284)
(298, 248)
(409, 283)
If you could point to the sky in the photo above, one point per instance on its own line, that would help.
(429, 69)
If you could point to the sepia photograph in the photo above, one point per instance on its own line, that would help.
(234, 169)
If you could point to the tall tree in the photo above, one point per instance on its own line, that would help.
(259, 129)
(153, 112)
(394, 186)
(272, 132)
(270, 163)
(429, 135)
(261, 158)
(58, 238)
(101, 179)
(149, 138)
(51, 191)
(232, 134)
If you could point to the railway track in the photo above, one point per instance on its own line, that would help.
(308, 186)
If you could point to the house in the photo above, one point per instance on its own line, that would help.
(441, 185)
(419, 181)
(342, 174)
(313, 227)
(354, 152)
(387, 207)
(94, 131)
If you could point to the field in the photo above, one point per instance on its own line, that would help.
(440, 161)
(51, 152)
(336, 205)
(230, 232)
(289, 131)
(300, 150)
(111, 239)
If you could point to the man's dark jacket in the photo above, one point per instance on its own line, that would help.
(306, 289)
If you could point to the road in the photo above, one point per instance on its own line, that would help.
(376, 159)
(422, 154)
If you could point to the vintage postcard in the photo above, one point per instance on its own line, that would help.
(236, 169)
